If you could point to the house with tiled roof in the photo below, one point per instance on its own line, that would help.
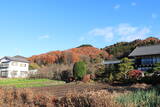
(146, 56)
(14, 67)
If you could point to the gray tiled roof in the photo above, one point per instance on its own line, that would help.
(146, 50)
(17, 58)
(111, 62)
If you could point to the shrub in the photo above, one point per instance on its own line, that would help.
(111, 78)
(157, 67)
(135, 74)
(125, 66)
(120, 76)
(79, 70)
(100, 71)
(154, 78)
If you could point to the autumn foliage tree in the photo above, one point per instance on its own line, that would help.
(135, 74)
(83, 53)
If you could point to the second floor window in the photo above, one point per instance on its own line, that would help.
(22, 65)
(14, 63)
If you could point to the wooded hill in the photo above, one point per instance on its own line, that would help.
(89, 53)
(86, 53)
(123, 49)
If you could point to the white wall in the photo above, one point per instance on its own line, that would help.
(20, 69)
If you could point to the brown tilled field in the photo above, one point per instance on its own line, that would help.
(62, 90)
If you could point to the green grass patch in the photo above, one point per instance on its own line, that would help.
(20, 82)
(141, 98)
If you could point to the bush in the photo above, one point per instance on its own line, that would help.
(100, 71)
(120, 76)
(135, 74)
(125, 66)
(157, 67)
(79, 70)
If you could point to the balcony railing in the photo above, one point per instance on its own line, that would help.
(4, 65)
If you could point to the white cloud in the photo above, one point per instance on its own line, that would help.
(121, 32)
(117, 6)
(125, 29)
(140, 33)
(44, 37)
(107, 33)
(133, 4)
(154, 15)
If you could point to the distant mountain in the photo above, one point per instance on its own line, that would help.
(123, 49)
(83, 52)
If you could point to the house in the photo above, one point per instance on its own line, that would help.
(14, 67)
(146, 56)
(111, 65)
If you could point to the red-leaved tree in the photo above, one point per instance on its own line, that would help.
(135, 74)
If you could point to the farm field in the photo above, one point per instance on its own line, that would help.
(23, 83)
(62, 90)
(93, 93)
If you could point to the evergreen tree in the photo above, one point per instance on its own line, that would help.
(79, 70)
(125, 66)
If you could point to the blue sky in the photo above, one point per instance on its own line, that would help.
(29, 27)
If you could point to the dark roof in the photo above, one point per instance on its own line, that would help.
(146, 50)
(17, 58)
(112, 62)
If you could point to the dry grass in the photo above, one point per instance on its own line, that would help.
(12, 97)
(101, 98)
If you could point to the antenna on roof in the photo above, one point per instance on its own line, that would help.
(18, 51)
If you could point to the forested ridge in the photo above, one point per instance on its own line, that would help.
(86, 53)
(91, 54)
(123, 49)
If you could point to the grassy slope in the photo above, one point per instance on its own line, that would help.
(20, 83)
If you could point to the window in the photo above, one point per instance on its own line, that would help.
(147, 60)
(23, 73)
(15, 63)
(4, 73)
(14, 73)
(22, 65)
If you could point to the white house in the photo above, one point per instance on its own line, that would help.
(14, 67)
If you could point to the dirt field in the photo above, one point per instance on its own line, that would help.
(62, 90)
